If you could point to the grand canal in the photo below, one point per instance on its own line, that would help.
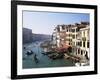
(43, 60)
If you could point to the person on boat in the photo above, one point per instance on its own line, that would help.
(35, 58)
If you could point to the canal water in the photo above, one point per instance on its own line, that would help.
(44, 60)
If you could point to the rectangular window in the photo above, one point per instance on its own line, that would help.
(84, 44)
(81, 52)
(58, 29)
(69, 35)
(78, 51)
(73, 36)
(87, 44)
(80, 43)
(73, 30)
(77, 29)
(69, 30)
(84, 33)
(63, 27)
(76, 43)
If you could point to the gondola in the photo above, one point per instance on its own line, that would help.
(30, 52)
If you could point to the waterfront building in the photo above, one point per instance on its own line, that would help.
(84, 41)
(69, 35)
(54, 41)
(76, 36)
(59, 36)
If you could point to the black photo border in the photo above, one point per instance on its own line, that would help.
(14, 39)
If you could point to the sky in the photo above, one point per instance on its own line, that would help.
(45, 22)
